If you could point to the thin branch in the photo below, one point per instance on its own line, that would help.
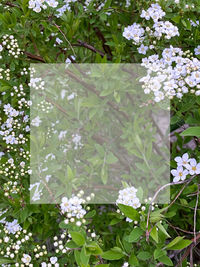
(10, 4)
(191, 257)
(182, 230)
(58, 27)
(187, 252)
(29, 55)
(155, 196)
(101, 37)
(195, 215)
(90, 47)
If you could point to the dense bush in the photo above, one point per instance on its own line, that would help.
(161, 36)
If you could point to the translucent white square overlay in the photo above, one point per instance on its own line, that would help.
(93, 129)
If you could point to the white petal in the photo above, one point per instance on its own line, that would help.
(193, 162)
(176, 179)
(185, 157)
(178, 159)
(174, 172)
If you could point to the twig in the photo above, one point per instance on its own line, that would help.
(191, 257)
(10, 4)
(187, 252)
(29, 55)
(90, 47)
(58, 27)
(156, 194)
(195, 215)
(106, 48)
(182, 230)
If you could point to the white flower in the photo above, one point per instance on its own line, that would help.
(63, 93)
(43, 264)
(128, 197)
(142, 49)
(36, 122)
(59, 41)
(197, 50)
(26, 259)
(179, 174)
(70, 97)
(6, 239)
(193, 167)
(183, 161)
(52, 3)
(158, 96)
(53, 260)
(13, 227)
(93, 235)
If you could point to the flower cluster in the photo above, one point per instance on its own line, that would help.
(10, 44)
(60, 243)
(76, 139)
(128, 197)
(175, 74)
(164, 28)
(134, 32)
(4, 74)
(15, 246)
(154, 12)
(141, 36)
(37, 5)
(12, 240)
(37, 83)
(185, 166)
(73, 208)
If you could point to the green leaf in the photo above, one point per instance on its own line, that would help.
(113, 254)
(154, 233)
(135, 234)
(181, 244)
(144, 255)
(175, 241)
(84, 257)
(133, 261)
(4, 88)
(78, 238)
(77, 257)
(156, 216)
(104, 174)
(4, 261)
(158, 253)
(93, 249)
(176, 19)
(115, 221)
(110, 159)
(70, 174)
(192, 131)
(71, 244)
(129, 212)
(90, 214)
(107, 4)
(162, 229)
(166, 260)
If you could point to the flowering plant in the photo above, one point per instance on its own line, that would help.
(107, 137)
